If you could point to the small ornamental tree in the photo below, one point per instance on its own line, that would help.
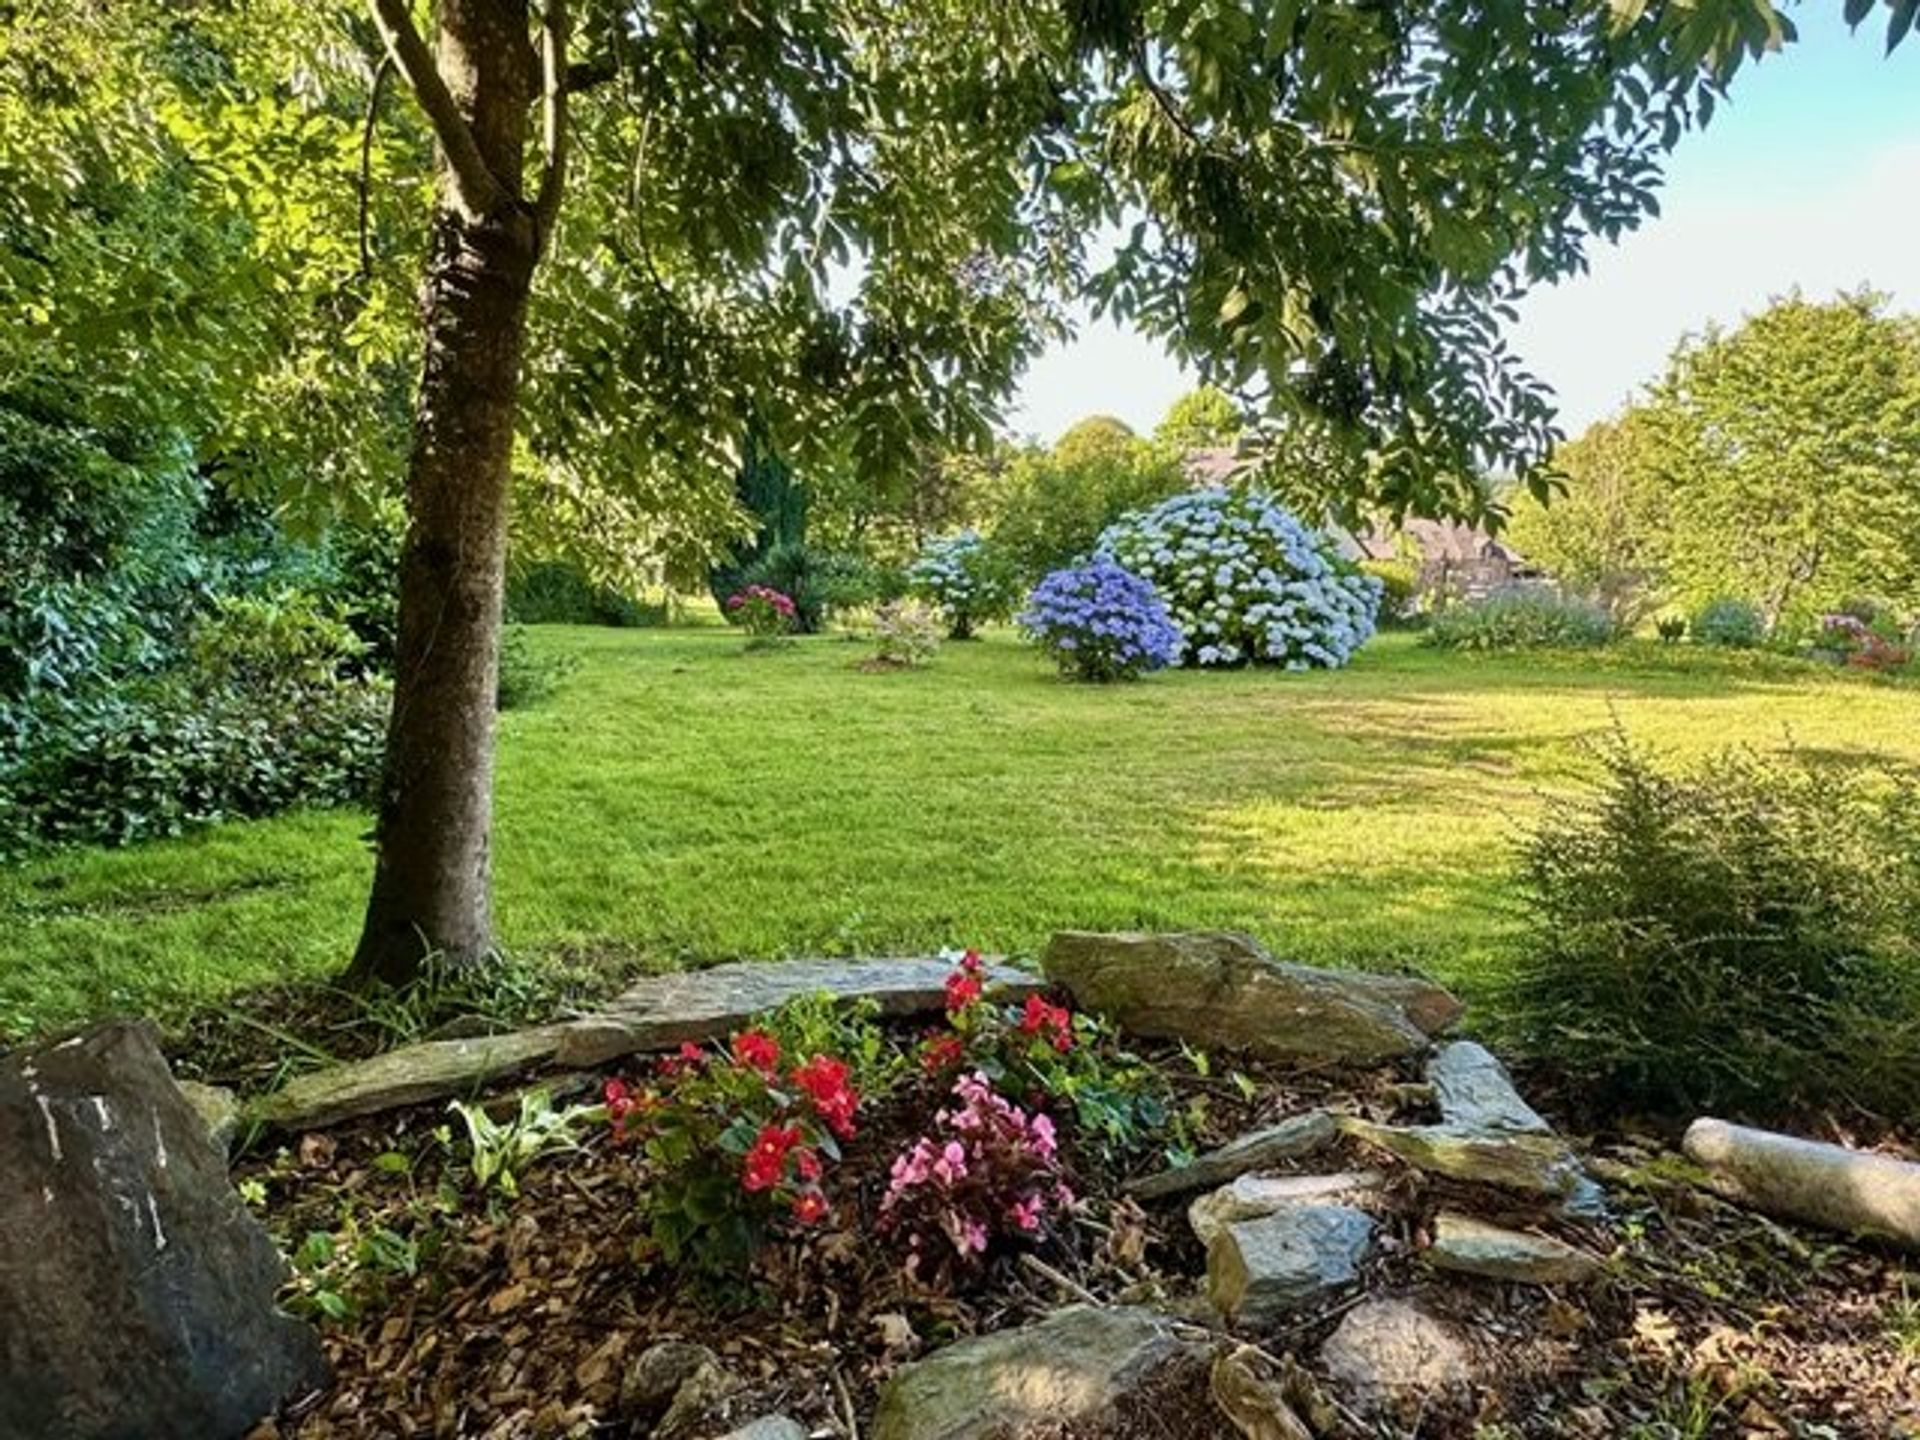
(1101, 622)
(1246, 582)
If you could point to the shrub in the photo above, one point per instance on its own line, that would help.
(1671, 629)
(1054, 505)
(1399, 588)
(964, 578)
(557, 592)
(733, 1142)
(1521, 620)
(767, 615)
(988, 1172)
(1730, 624)
(905, 632)
(806, 575)
(1246, 582)
(265, 712)
(1864, 644)
(527, 675)
(1099, 622)
(1744, 934)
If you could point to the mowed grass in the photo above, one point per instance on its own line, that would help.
(681, 802)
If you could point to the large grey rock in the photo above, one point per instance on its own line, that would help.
(1826, 1185)
(1222, 991)
(1530, 1164)
(1078, 1365)
(1289, 1139)
(411, 1075)
(1251, 1196)
(1391, 1359)
(1260, 1270)
(662, 1011)
(1473, 1247)
(1474, 1090)
(136, 1293)
(656, 1376)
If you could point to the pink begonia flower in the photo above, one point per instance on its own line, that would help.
(1043, 1137)
(1026, 1213)
(952, 1164)
(973, 1236)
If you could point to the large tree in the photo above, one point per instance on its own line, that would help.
(855, 221)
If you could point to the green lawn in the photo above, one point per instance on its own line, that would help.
(679, 801)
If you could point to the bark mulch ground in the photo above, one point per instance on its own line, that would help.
(481, 1317)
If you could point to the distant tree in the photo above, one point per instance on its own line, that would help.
(1789, 453)
(1605, 534)
(1053, 504)
(1200, 419)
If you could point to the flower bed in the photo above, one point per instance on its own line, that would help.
(899, 1187)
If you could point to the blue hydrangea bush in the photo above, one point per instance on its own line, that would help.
(960, 576)
(1245, 582)
(1101, 622)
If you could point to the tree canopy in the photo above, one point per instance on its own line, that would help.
(1777, 462)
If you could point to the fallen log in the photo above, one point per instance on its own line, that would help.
(1826, 1185)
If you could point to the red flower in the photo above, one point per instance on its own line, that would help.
(824, 1080)
(971, 962)
(941, 1052)
(766, 1160)
(963, 990)
(806, 1163)
(690, 1057)
(757, 1049)
(1054, 1020)
(809, 1206)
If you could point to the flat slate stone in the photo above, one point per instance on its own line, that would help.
(1261, 1270)
(662, 1011)
(1290, 1139)
(1471, 1246)
(1077, 1366)
(1221, 990)
(1473, 1089)
(136, 1292)
(1251, 1196)
(1530, 1164)
(411, 1075)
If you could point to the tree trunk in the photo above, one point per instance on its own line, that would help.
(430, 890)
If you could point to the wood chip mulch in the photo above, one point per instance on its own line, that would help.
(523, 1316)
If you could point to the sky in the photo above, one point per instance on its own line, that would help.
(1809, 176)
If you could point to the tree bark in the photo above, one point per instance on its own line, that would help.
(430, 891)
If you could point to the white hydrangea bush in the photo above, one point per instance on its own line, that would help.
(1246, 582)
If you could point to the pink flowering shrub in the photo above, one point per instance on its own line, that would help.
(988, 1173)
(733, 1142)
(1862, 644)
(764, 612)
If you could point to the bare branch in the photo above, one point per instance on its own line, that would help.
(476, 187)
(553, 117)
(380, 73)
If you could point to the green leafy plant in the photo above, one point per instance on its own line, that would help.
(339, 1275)
(1520, 620)
(529, 674)
(501, 1152)
(1730, 624)
(733, 1142)
(1399, 589)
(1744, 934)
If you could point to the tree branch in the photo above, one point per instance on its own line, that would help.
(476, 187)
(553, 117)
(380, 73)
